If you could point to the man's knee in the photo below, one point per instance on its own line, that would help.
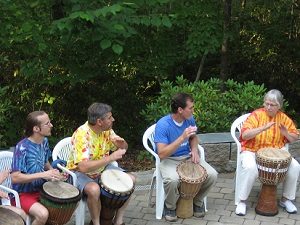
(92, 189)
(39, 212)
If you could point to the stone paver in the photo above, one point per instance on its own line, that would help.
(221, 208)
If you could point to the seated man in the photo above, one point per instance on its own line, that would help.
(92, 143)
(3, 176)
(176, 140)
(31, 167)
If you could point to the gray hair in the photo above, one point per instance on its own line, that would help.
(274, 95)
(97, 111)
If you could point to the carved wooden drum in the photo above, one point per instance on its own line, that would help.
(61, 199)
(191, 177)
(116, 188)
(272, 165)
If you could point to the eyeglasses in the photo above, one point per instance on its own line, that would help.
(266, 104)
(47, 124)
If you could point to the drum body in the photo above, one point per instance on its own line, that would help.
(272, 165)
(116, 187)
(191, 177)
(61, 199)
(9, 217)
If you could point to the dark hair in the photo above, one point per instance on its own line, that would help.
(97, 111)
(31, 121)
(180, 100)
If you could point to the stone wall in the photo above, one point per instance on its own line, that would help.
(218, 155)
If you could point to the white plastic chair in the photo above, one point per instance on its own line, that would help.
(61, 151)
(5, 164)
(236, 130)
(148, 142)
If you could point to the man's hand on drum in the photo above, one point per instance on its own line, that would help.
(195, 156)
(118, 154)
(53, 175)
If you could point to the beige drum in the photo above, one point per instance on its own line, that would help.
(191, 178)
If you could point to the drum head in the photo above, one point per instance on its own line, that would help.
(61, 190)
(116, 181)
(191, 172)
(273, 154)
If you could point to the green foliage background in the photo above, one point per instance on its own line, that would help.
(62, 55)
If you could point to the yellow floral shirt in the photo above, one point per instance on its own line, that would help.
(87, 145)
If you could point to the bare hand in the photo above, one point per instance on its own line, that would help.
(283, 130)
(117, 154)
(117, 140)
(3, 195)
(53, 175)
(3, 175)
(268, 125)
(190, 131)
(195, 156)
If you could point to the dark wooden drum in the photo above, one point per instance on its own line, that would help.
(272, 165)
(9, 217)
(61, 199)
(116, 188)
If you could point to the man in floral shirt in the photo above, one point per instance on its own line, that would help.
(92, 143)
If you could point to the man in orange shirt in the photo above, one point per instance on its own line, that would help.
(267, 127)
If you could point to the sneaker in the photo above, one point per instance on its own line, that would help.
(170, 215)
(199, 211)
(241, 209)
(288, 206)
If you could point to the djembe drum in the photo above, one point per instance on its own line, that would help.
(272, 165)
(9, 217)
(116, 188)
(61, 199)
(191, 177)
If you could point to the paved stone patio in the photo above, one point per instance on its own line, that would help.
(220, 207)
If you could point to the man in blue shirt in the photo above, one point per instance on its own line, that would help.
(31, 167)
(176, 141)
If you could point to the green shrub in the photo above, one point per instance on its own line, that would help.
(214, 109)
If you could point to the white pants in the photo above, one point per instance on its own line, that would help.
(249, 173)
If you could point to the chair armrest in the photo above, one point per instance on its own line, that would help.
(72, 174)
(15, 194)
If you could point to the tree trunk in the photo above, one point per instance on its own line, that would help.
(224, 50)
(200, 69)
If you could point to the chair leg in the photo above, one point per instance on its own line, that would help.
(205, 203)
(160, 196)
(80, 213)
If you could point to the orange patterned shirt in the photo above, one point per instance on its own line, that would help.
(87, 145)
(268, 138)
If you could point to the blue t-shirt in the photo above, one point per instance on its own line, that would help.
(30, 158)
(166, 132)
